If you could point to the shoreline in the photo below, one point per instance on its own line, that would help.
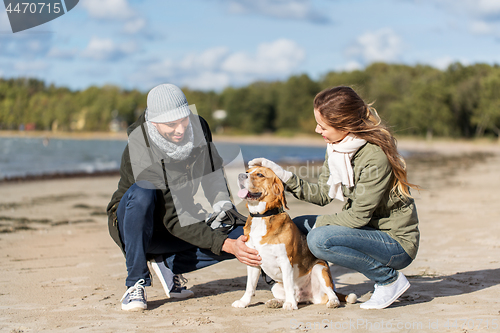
(269, 139)
(417, 150)
(263, 139)
(58, 175)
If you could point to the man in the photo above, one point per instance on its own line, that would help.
(154, 214)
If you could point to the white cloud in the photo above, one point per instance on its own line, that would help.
(481, 16)
(207, 81)
(30, 68)
(478, 8)
(108, 9)
(484, 16)
(28, 44)
(443, 62)
(217, 67)
(381, 45)
(207, 60)
(484, 8)
(278, 57)
(4, 22)
(134, 25)
(58, 53)
(350, 66)
(481, 27)
(129, 47)
(25, 44)
(36, 46)
(116, 10)
(103, 49)
(287, 9)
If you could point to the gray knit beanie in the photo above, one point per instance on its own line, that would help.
(167, 103)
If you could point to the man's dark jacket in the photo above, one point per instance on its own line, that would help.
(202, 157)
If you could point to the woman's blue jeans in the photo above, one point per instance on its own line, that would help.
(369, 251)
(140, 222)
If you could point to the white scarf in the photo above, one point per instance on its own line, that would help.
(177, 151)
(339, 162)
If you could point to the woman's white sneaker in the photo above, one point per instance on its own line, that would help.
(383, 296)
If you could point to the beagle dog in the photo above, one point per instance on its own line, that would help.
(299, 276)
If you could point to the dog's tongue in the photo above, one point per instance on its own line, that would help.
(243, 193)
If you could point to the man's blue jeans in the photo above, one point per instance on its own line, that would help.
(140, 221)
(369, 251)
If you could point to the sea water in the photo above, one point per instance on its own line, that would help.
(23, 157)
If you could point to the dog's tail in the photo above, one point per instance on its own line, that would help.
(351, 298)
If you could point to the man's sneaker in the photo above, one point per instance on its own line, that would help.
(164, 274)
(383, 296)
(171, 283)
(135, 298)
(179, 290)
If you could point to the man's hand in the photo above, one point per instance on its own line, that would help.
(241, 251)
(220, 210)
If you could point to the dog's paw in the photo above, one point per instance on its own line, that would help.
(290, 306)
(239, 304)
(333, 303)
(275, 303)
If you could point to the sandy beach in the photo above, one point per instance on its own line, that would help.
(61, 272)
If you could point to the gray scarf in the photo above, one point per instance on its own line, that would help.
(177, 151)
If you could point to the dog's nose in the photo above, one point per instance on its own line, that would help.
(242, 176)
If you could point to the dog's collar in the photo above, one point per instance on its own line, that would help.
(274, 211)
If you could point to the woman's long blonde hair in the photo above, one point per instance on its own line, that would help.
(343, 109)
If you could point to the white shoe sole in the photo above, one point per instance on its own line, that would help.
(135, 306)
(185, 294)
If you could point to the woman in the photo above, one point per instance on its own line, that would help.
(377, 232)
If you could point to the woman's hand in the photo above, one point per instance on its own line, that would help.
(241, 251)
(282, 174)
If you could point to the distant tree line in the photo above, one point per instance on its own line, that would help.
(461, 101)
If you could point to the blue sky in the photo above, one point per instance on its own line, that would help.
(212, 44)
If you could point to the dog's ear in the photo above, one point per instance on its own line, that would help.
(279, 191)
(283, 199)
